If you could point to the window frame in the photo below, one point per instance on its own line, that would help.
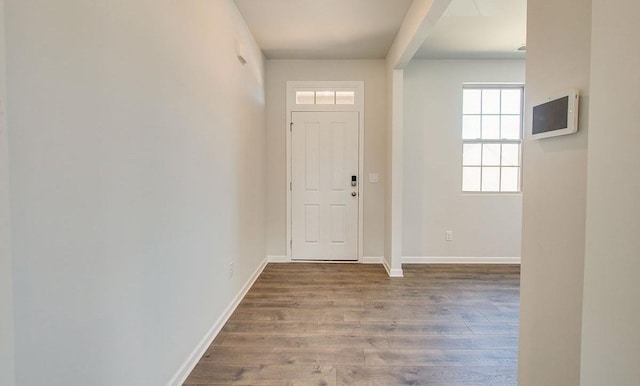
(498, 141)
(323, 92)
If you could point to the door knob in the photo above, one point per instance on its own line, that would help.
(353, 194)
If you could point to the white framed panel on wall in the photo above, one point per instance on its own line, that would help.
(325, 96)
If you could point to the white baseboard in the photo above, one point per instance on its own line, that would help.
(459, 260)
(191, 362)
(393, 272)
(372, 259)
(278, 259)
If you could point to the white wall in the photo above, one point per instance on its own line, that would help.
(6, 274)
(554, 198)
(484, 225)
(137, 153)
(416, 25)
(393, 193)
(611, 312)
(372, 73)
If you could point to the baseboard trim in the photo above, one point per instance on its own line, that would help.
(278, 259)
(459, 260)
(392, 272)
(372, 259)
(191, 362)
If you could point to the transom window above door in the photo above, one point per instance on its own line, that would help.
(325, 97)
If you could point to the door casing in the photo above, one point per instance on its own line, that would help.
(358, 106)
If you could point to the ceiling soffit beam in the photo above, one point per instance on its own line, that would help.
(416, 26)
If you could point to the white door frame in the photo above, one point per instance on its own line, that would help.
(358, 106)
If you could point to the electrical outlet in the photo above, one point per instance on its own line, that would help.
(448, 235)
(231, 269)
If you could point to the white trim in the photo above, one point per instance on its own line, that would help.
(372, 259)
(358, 106)
(501, 141)
(392, 272)
(302, 261)
(197, 353)
(278, 259)
(459, 260)
(394, 206)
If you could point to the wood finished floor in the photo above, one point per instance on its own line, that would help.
(350, 324)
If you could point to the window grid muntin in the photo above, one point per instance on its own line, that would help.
(500, 166)
(322, 96)
(500, 140)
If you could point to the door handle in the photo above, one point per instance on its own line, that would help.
(353, 194)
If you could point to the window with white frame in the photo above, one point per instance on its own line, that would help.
(491, 138)
(325, 97)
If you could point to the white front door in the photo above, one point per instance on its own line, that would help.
(324, 200)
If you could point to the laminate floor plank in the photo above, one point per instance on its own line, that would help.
(415, 315)
(288, 314)
(206, 373)
(500, 316)
(227, 355)
(341, 304)
(393, 327)
(432, 375)
(305, 340)
(350, 324)
(283, 327)
(420, 306)
(483, 328)
(404, 357)
(453, 342)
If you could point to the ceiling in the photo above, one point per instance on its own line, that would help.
(365, 29)
(478, 29)
(324, 29)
